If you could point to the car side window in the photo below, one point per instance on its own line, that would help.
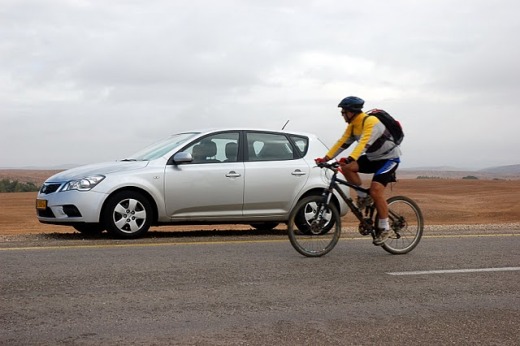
(268, 147)
(302, 144)
(221, 147)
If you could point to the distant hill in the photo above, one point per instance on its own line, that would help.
(500, 172)
(508, 170)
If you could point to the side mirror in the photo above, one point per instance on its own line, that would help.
(182, 157)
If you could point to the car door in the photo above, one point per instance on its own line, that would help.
(212, 185)
(275, 174)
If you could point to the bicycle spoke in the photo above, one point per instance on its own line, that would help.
(407, 222)
(314, 229)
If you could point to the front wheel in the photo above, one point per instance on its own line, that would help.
(316, 238)
(127, 214)
(407, 222)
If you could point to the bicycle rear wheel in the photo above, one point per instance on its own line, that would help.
(313, 239)
(407, 222)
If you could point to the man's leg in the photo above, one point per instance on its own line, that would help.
(382, 177)
(350, 171)
(377, 192)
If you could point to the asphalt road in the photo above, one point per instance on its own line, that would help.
(259, 291)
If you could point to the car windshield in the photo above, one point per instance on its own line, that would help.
(162, 147)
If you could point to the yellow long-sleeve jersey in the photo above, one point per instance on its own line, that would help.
(373, 139)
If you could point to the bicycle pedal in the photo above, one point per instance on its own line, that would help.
(364, 232)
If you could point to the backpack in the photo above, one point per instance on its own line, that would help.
(393, 126)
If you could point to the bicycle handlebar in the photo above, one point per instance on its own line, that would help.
(334, 165)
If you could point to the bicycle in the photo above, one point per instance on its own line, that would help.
(314, 224)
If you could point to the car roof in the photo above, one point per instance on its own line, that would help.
(203, 131)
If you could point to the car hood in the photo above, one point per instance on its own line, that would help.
(98, 168)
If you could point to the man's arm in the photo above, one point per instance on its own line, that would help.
(343, 143)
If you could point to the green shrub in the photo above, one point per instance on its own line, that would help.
(7, 185)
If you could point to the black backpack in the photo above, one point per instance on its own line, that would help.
(393, 126)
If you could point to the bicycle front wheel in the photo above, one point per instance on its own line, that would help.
(407, 222)
(321, 230)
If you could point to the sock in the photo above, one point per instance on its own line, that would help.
(383, 224)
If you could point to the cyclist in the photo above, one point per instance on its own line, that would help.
(375, 153)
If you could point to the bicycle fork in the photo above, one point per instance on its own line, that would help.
(321, 209)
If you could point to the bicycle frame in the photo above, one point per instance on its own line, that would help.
(366, 222)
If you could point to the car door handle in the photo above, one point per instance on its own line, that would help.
(233, 174)
(298, 172)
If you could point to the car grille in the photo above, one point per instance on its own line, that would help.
(49, 188)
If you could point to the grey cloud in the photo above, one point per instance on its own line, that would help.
(117, 72)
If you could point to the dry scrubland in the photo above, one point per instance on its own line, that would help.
(443, 202)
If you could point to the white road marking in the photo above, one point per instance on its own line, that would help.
(455, 271)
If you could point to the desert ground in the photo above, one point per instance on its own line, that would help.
(443, 202)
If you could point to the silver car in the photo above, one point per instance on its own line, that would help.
(224, 176)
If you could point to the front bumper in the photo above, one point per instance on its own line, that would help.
(70, 207)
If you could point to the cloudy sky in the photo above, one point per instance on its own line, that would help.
(87, 81)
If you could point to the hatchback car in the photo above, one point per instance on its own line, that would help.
(224, 176)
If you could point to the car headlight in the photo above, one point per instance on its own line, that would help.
(83, 184)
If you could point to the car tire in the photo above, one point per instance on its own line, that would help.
(89, 228)
(303, 224)
(127, 214)
(264, 226)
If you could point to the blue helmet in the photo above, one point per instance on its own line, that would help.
(352, 103)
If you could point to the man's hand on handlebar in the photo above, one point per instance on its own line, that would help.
(321, 160)
(346, 160)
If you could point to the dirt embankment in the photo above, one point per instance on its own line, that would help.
(464, 201)
(443, 202)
